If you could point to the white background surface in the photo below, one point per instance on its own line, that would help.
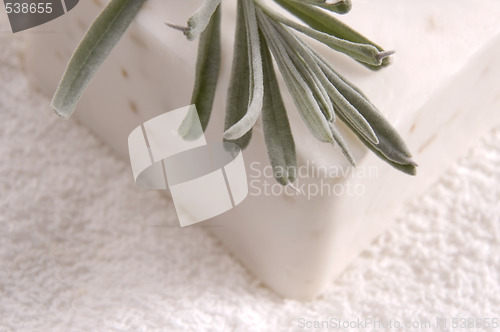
(83, 249)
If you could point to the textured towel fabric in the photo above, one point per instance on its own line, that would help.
(83, 249)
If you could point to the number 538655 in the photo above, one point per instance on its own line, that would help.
(28, 8)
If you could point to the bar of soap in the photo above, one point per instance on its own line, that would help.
(441, 92)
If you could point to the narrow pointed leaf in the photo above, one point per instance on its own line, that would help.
(342, 104)
(342, 144)
(200, 19)
(239, 84)
(391, 146)
(408, 168)
(207, 74)
(302, 95)
(277, 133)
(386, 133)
(308, 69)
(94, 48)
(254, 107)
(361, 52)
(322, 21)
(339, 7)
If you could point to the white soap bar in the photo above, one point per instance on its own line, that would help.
(441, 92)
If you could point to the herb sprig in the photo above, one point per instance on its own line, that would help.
(320, 94)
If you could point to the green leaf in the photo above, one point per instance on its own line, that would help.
(342, 144)
(254, 107)
(239, 83)
(361, 52)
(207, 74)
(322, 21)
(294, 45)
(342, 104)
(307, 69)
(301, 93)
(198, 22)
(96, 45)
(277, 133)
(339, 7)
(408, 168)
(391, 146)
